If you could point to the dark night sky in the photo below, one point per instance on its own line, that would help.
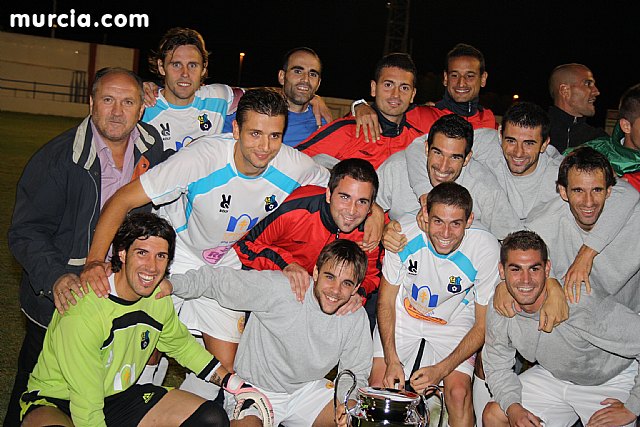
(522, 40)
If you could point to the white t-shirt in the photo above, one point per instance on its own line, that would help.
(437, 287)
(179, 125)
(213, 205)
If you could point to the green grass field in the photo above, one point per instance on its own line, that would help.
(20, 136)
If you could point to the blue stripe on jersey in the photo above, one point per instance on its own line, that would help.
(203, 186)
(280, 180)
(412, 247)
(461, 261)
(151, 113)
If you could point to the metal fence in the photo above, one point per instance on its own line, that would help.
(77, 91)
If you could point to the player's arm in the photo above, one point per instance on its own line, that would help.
(113, 214)
(417, 166)
(356, 355)
(328, 140)
(386, 317)
(468, 346)
(615, 215)
(366, 121)
(320, 110)
(373, 228)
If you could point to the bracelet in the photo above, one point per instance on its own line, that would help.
(354, 104)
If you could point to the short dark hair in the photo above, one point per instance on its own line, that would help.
(462, 49)
(452, 126)
(451, 194)
(630, 104)
(173, 39)
(397, 60)
(358, 169)
(344, 252)
(585, 159)
(523, 240)
(287, 56)
(264, 100)
(103, 72)
(141, 225)
(527, 115)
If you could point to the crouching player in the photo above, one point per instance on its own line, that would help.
(93, 354)
(288, 347)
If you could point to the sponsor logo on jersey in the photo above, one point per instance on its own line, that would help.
(270, 203)
(205, 123)
(423, 297)
(165, 130)
(124, 378)
(185, 141)
(147, 397)
(413, 267)
(242, 223)
(144, 341)
(455, 284)
(224, 204)
(213, 255)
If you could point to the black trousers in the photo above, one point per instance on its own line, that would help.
(31, 348)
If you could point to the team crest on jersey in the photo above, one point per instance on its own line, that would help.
(144, 340)
(205, 123)
(455, 284)
(165, 130)
(270, 203)
(413, 267)
(423, 297)
(241, 224)
(225, 203)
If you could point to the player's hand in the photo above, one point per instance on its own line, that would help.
(613, 415)
(341, 417)
(166, 288)
(298, 279)
(394, 376)
(373, 228)
(367, 122)
(95, 274)
(248, 396)
(555, 309)
(578, 274)
(503, 302)
(354, 303)
(426, 376)
(151, 91)
(520, 417)
(63, 290)
(320, 110)
(392, 238)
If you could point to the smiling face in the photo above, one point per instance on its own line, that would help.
(144, 265)
(350, 203)
(446, 158)
(525, 274)
(521, 147)
(334, 284)
(586, 193)
(183, 70)
(447, 225)
(463, 78)
(259, 141)
(393, 92)
(116, 107)
(300, 80)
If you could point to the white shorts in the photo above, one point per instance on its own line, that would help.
(298, 409)
(205, 315)
(441, 340)
(561, 403)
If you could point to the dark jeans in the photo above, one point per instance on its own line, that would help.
(31, 347)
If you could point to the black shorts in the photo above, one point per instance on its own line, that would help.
(124, 409)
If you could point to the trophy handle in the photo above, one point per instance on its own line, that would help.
(429, 392)
(346, 395)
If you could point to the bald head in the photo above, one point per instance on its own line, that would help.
(573, 89)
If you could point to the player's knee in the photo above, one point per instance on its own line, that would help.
(493, 415)
(207, 414)
(457, 396)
